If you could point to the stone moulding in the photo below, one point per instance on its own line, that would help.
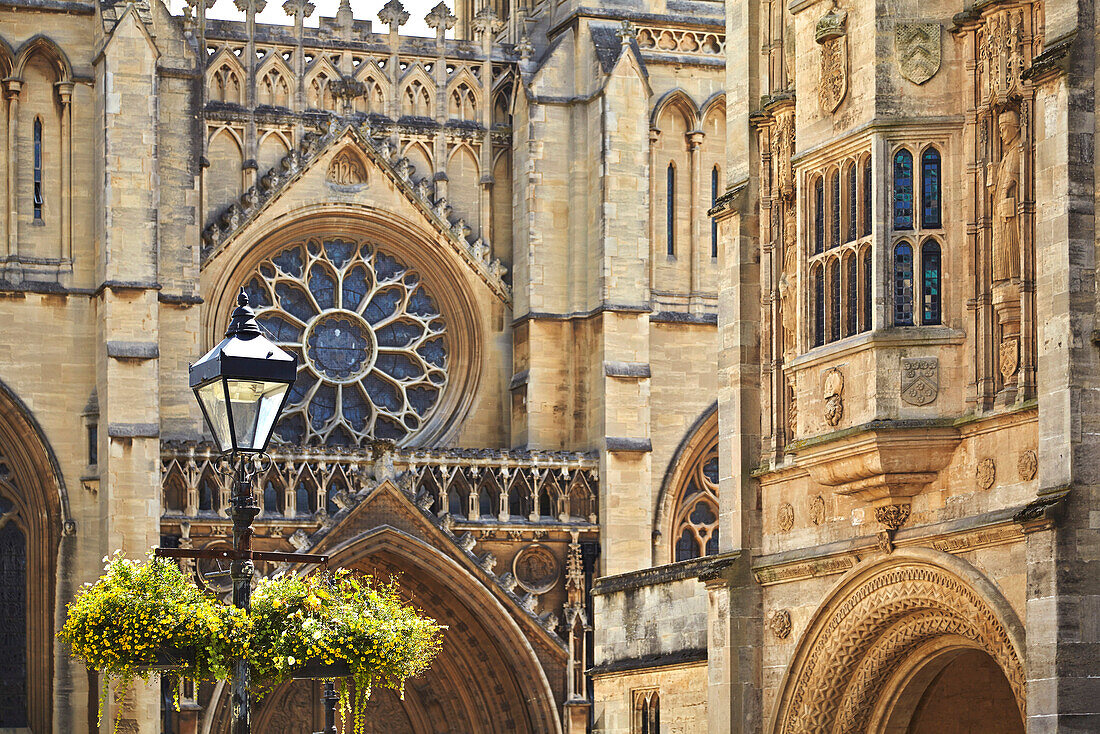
(878, 464)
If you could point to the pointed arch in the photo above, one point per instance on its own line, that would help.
(318, 94)
(378, 88)
(273, 82)
(463, 96)
(43, 45)
(224, 178)
(35, 512)
(274, 144)
(876, 620)
(679, 100)
(464, 184)
(417, 93)
(225, 78)
(420, 156)
(696, 443)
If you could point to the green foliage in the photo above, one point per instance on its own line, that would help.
(137, 611)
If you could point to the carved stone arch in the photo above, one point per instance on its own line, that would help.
(378, 88)
(348, 167)
(7, 58)
(318, 94)
(44, 45)
(224, 67)
(493, 673)
(420, 156)
(34, 501)
(878, 619)
(447, 279)
(273, 145)
(681, 102)
(275, 63)
(698, 439)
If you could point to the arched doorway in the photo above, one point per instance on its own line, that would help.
(888, 641)
(952, 688)
(32, 517)
(489, 678)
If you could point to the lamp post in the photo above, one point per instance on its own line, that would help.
(242, 385)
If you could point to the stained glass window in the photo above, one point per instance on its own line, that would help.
(834, 208)
(868, 203)
(819, 215)
(13, 623)
(713, 203)
(834, 301)
(670, 210)
(930, 282)
(903, 190)
(372, 347)
(819, 306)
(903, 284)
(930, 189)
(867, 292)
(851, 301)
(697, 507)
(853, 209)
(38, 200)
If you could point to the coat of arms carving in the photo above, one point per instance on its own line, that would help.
(831, 33)
(920, 380)
(918, 50)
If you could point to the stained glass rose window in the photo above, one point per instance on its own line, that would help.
(373, 357)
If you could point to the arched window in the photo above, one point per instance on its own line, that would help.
(695, 526)
(851, 298)
(834, 208)
(853, 204)
(903, 190)
(670, 210)
(647, 712)
(38, 168)
(13, 610)
(713, 203)
(834, 300)
(903, 284)
(930, 282)
(819, 306)
(868, 204)
(930, 216)
(867, 273)
(819, 215)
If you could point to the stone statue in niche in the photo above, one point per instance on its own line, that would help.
(834, 396)
(346, 170)
(1006, 187)
(782, 152)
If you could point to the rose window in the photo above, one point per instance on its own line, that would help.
(369, 337)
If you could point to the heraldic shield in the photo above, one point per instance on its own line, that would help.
(920, 380)
(918, 50)
(834, 73)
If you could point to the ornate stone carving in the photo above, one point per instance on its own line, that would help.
(817, 510)
(920, 380)
(780, 624)
(986, 473)
(785, 517)
(834, 396)
(917, 48)
(792, 410)
(1009, 357)
(536, 569)
(862, 632)
(346, 169)
(1028, 465)
(832, 85)
(680, 41)
(892, 516)
(1006, 198)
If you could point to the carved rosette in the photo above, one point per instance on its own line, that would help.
(892, 516)
(780, 624)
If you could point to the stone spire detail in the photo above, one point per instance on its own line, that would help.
(440, 19)
(393, 14)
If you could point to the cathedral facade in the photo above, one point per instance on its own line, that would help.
(702, 366)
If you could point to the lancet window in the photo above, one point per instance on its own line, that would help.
(670, 210)
(916, 238)
(647, 712)
(840, 212)
(38, 198)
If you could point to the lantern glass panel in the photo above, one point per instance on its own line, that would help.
(212, 399)
(254, 406)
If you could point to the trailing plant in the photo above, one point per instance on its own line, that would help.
(126, 622)
(341, 620)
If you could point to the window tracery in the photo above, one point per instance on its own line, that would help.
(372, 344)
(840, 217)
(647, 712)
(917, 255)
(695, 528)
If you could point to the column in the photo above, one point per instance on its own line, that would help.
(65, 96)
(12, 88)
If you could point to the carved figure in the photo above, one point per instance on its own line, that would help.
(1006, 225)
(834, 397)
(536, 569)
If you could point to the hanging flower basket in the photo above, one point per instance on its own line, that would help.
(141, 619)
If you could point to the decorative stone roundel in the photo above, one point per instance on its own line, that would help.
(371, 341)
(780, 624)
(536, 569)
